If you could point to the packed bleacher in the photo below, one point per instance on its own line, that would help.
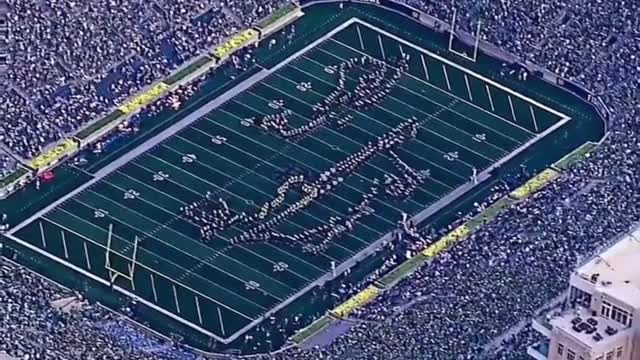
(75, 61)
(68, 71)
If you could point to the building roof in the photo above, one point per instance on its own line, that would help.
(615, 271)
(570, 320)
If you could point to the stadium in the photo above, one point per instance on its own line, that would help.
(321, 180)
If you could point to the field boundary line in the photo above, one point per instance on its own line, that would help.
(462, 68)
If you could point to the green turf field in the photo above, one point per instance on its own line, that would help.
(467, 122)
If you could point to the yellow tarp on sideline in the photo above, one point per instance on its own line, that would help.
(235, 43)
(356, 302)
(144, 99)
(535, 184)
(446, 241)
(54, 155)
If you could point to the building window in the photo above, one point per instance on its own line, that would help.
(560, 349)
(619, 352)
(619, 315)
(606, 309)
(571, 355)
(610, 355)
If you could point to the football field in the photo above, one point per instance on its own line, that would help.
(127, 227)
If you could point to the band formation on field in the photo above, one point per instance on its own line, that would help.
(311, 163)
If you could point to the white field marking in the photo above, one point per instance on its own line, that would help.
(230, 193)
(188, 120)
(159, 225)
(513, 111)
(446, 77)
(266, 161)
(360, 37)
(200, 243)
(175, 297)
(132, 154)
(153, 288)
(198, 309)
(424, 97)
(466, 81)
(493, 108)
(365, 131)
(227, 240)
(388, 111)
(115, 287)
(418, 140)
(266, 194)
(384, 57)
(125, 257)
(457, 66)
(64, 245)
(86, 255)
(424, 67)
(221, 322)
(448, 93)
(331, 130)
(261, 175)
(533, 116)
(368, 132)
(318, 155)
(42, 237)
(431, 116)
(401, 50)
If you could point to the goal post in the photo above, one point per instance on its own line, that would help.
(112, 257)
(452, 36)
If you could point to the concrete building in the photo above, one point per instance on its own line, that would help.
(597, 319)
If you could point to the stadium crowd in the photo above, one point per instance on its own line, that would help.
(73, 62)
(67, 71)
(36, 322)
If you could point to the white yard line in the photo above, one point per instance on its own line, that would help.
(457, 66)
(493, 108)
(396, 115)
(446, 92)
(466, 81)
(376, 121)
(424, 67)
(513, 111)
(164, 226)
(446, 77)
(360, 37)
(384, 57)
(278, 249)
(533, 116)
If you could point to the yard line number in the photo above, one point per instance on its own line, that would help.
(189, 158)
(304, 86)
(160, 176)
(131, 194)
(100, 213)
(218, 139)
(252, 285)
(280, 266)
(480, 137)
(451, 156)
